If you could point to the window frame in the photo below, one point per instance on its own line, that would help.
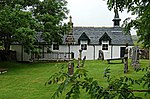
(105, 47)
(84, 46)
(55, 46)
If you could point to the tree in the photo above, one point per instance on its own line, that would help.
(17, 26)
(51, 13)
(21, 20)
(141, 23)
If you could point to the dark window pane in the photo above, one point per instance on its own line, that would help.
(84, 46)
(55, 47)
(105, 47)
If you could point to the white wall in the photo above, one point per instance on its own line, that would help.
(116, 51)
(62, 48)
(26, 57)
(18, 49)
(75, 50)
(89, 53)
(107, 53)
(97, 48)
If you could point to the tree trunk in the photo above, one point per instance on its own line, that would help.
(7, 43)
(7, 47)
(149, 55)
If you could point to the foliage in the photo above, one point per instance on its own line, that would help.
(118, 88)
(12, 23)
(21, 20)
(50, 13)
(140, 8)
(23, 3)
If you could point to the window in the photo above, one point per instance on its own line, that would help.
(105, 47)
(55, 47)
(84, 46)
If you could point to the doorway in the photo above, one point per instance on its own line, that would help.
(122, 51)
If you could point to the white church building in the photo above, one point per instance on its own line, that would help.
(93, 41)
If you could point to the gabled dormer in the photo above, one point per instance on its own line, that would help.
(105, 37)
(83, 38)
(105, 41)
(83, 41)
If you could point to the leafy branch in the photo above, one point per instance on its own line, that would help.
(118, 88)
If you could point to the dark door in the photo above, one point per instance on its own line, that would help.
(72, 55)
(122, 51)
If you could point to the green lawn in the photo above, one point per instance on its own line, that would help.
(27, 80)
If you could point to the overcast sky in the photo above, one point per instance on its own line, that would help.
(92, 13)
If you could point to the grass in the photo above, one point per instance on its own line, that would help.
(27, 80)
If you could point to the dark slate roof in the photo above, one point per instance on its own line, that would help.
(95, 33)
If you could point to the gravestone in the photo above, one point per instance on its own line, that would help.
(79, 59)
(130, 53)
(101, 55)
(83, 61)
(71, 68)
(126, 59)
(135, 57)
